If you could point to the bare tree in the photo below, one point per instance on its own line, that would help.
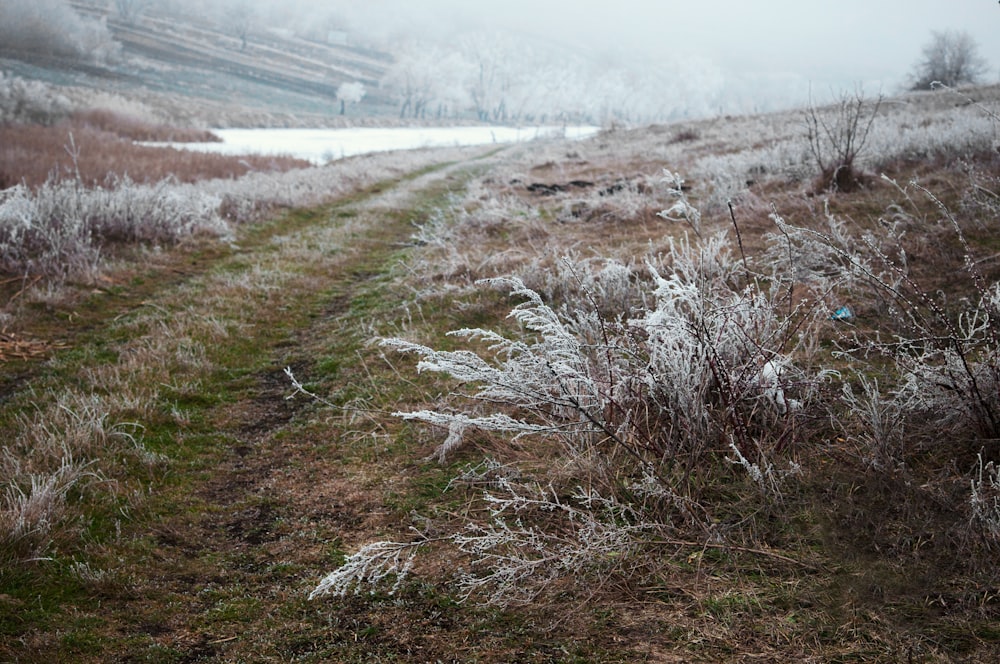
(951, 57)
(129, 11)
(241, 19)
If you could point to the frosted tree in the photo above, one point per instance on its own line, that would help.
(952, 58)
(490, 83)
(412, 77)
(240, 18)
(351, 92)
(53, 27)
(428, 80)
(450, 94)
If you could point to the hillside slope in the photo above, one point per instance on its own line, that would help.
(199, 73)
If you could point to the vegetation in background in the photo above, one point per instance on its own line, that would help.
(950, 58)
(54, 28)
(34, 155)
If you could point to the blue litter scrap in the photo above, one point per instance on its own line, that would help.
(843, 313)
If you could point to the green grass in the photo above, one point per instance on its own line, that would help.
(197, 445)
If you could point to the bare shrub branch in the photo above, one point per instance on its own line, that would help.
(837, 136)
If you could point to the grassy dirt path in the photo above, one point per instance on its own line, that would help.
(247, 494)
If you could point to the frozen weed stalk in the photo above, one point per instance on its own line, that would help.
(681, 210)
(374, 563)
(984, 500)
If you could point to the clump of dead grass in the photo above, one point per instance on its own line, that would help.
(88, 150)
(135, 128)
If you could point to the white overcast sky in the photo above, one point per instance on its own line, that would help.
(823, 42)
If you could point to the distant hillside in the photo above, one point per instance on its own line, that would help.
(198, 73)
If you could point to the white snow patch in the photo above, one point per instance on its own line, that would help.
(322, 145)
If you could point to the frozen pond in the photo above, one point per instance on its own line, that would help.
(323, 145)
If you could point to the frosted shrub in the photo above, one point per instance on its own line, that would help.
(646, 398)
(946, 359)
(45, 233)
(29, 101)
(715, 353)
(125, 211)
(837, 136)
(949, 360)
(957, 377)
(59, 229)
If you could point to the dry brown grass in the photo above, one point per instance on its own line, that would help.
(98, 144)
(137, 129)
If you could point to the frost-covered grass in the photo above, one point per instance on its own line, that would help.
(657, 383)
(704, 376)
(60, 229)
(65, 228)
(771, 426)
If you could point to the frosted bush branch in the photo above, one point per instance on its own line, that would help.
(371, 565)
(489, 472)
(681, 210)
(763, 473)
(517, 561)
